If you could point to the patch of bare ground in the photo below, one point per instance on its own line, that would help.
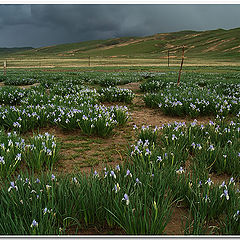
(154, 117)
(29, 86)
(177, 221)
(80, 152)
(170, 46)
(212, 48)
(132, 41)
(134, 86)
(230, 49)
(219, 178)
(96, 157)
(212, 40)
(189, 48)
(189, 36)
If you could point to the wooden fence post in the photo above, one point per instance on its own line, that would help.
(5, 67)
(180, 70)
(168, 58)
(89, 61)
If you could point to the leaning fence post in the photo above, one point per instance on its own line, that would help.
(168, 58)
(180, 70)
(5, 67)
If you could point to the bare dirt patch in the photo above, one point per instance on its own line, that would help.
(218, 179)
(170, 46)
(213, 48)
(178, 218)
(80, 152)
(189, 48)
(126, 43)
(212, 40)
(134, 86)
(230, 49)
(154, 117)
(29, 86)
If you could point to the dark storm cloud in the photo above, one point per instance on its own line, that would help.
(41, 25)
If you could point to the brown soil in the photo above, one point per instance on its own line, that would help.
(154, 117)
(126, 43)
(170, 46)
(216, 45)
(78, 163)
(110, 148)
(178, 220)
(192, 35)
(134, 86)
(29, 86)
(230, 49)
(212, 40)
(218, 179)
(189, 48)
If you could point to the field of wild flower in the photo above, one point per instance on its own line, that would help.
(209, 94)
(188, 164)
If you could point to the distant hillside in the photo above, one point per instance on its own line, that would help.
(214, 44)
(4, 51)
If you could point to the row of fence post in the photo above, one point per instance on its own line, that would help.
(89, 64)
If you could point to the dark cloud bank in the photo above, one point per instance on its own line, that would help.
(43, 25)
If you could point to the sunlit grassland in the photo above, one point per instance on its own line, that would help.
(121, 64)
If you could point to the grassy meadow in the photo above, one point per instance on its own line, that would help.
(117, 147)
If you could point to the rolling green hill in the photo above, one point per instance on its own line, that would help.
(214, 44)
(5, 51)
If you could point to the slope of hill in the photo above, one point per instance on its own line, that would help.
(5, 51)
(214, 44)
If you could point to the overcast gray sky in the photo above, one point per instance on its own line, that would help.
(44, 25)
